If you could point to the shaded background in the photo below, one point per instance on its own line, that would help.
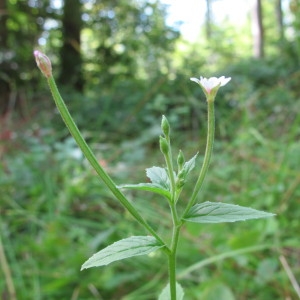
(120, 65)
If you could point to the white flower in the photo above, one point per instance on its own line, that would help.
(211, 85)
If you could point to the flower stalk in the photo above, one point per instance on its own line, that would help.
(210, 88)
(207, 155)
(44, 64)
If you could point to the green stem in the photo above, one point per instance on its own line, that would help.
(169, 163)
(207, 155)
(172, 261)
(173, 250)
(92, 159)
(172, 275)
(176, 222)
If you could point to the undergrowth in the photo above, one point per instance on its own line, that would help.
(51, 204)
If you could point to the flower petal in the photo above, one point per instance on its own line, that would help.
(195, 80)
(224, 80)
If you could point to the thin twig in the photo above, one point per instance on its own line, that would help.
(222, 256)
(7, 273)
(95, 292)
(290, 274)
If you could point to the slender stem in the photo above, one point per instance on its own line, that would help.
(171, 173)
(92, 159)
(173, 250)
(175, 219)
(176, 222)
(172, 275)
(216, 258)
(172, 261)
(169, 163)
(207, 155)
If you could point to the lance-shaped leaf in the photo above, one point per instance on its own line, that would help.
(216, 212)
(150, 187)
(186, 169)
(160, 183)
(189, 165)
(132, 246)
(165, 294)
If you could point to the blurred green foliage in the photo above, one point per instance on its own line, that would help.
(54, 212)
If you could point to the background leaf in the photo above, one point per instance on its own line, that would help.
(216, 212)
(217, 291)
(165, 294)
(150, 187)
(132, 246)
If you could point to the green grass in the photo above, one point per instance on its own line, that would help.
(55, 213)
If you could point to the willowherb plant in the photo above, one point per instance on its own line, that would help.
(166, 182)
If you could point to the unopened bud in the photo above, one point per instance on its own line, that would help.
(180, 160)
(165, 126)
(164, 145)
(180, 183)
(43, 62)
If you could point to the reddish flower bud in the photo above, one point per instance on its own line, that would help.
(43, 62)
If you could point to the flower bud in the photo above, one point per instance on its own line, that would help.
(165, 126)
(164, 145)
(180, 183)
(43, 62)
(180, 160)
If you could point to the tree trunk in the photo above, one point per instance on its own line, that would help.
(4, 65)
(70, 54)
(257, 29)
(279, 17)
(208, 20)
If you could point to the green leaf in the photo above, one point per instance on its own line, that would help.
(189, 165)
(150, 187)
(217, 291)
(186, 169)
(160, 183)
(165, 294)
(132, 246)
(216, 212)
(159, 177)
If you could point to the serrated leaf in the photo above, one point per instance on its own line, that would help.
(217, 212)
(129, 247)
(165, 294)
(159, 176)
(150, 187)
